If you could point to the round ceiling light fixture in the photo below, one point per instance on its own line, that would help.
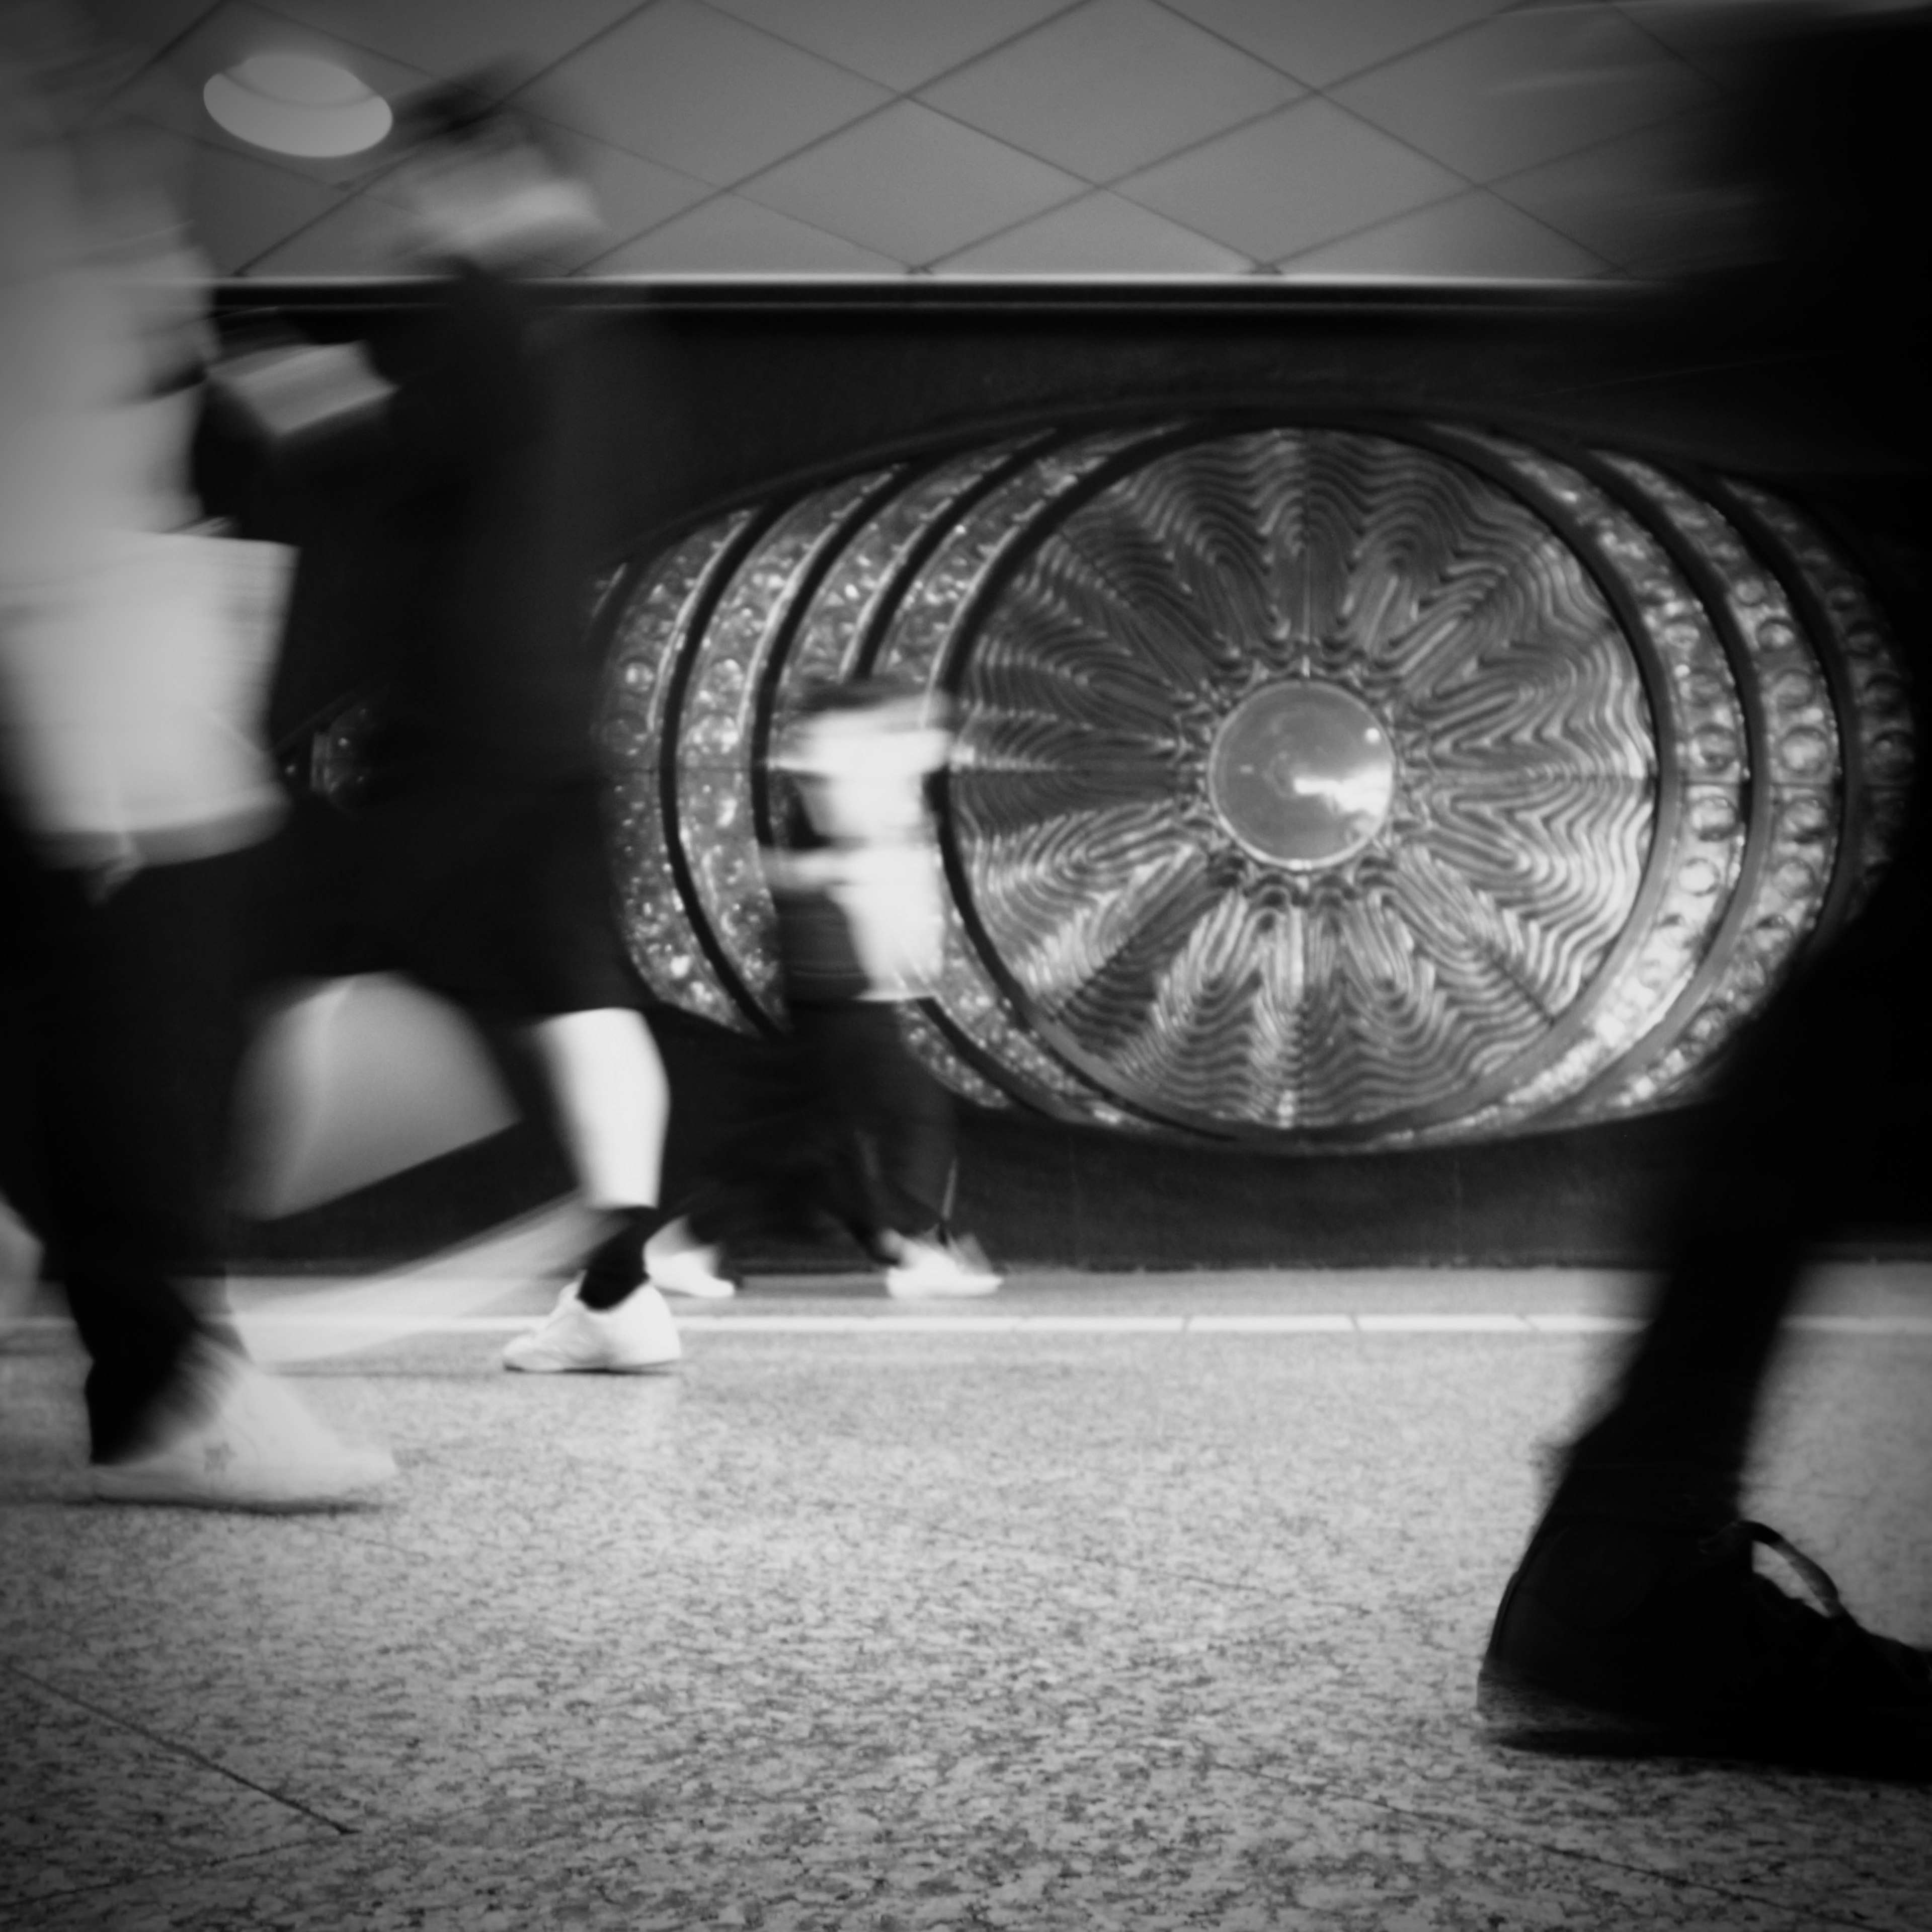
(298, 104)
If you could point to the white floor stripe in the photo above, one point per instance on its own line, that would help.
(1865, 1324)
(453, 1288)
(294, 1332)
(851, 1325)
(1270, 1324)
(1104, 1324)
(1442, 1324)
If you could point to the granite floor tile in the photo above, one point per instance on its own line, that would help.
(86, 1801)
(1085, 1843)
(875, 1630)
(1382, 1715)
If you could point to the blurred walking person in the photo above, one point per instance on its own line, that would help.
(856, 882)
(445, 511)
(133, 784)
(1638, 1609)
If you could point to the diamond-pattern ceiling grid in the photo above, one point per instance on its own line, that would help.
(248, 205)
(634, 195)
(448, 36)
(365, 229)
(882, 137)
(1114, 85)
(1306, 174)
(1100, 234)
(1320, 45)
(912, 184)
(145, 24)
(1524, 88)
(682, 84)
(903, 45)
(720, 235)
(1632, 200)
(1470, 234)
(1695, 35)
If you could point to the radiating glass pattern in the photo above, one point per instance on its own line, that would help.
(926, 631)
(1216, 986)
(1319, 786)
(1694, 862)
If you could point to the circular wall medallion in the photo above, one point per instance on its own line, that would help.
(1135, 866)
(1302, 774)
(1323, 786)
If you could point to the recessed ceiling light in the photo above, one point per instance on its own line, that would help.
(297, 104)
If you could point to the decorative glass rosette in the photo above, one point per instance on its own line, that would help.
(1323, 786)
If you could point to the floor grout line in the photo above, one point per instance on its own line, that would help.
(159, 1738)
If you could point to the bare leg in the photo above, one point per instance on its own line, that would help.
(613, 1105)
(612, 1100)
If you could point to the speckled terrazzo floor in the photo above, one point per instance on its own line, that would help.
(1154, 1602)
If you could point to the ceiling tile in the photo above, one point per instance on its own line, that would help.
(912, 184)
(632, 194)
(448, 37)
(1114, 86)
(147, 25)
(360, 236)
(729, 236)
(1098, 235)
(685, 85)
(1302, 176)
(159, 95)
(170, 169)
(1188, 107)
(241, 207)
(901, 43)
(1710, 38)
(236, 29)
(1524, 88)
(1325, 42)
(1472, 234)
(1643, 202)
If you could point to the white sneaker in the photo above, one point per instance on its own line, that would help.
(631, 1339)
(678, 1263)
(936, 1270)
(245, 1442)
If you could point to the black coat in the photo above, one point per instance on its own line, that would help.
(448, 543)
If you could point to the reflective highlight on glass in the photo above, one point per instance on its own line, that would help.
(1301, 773)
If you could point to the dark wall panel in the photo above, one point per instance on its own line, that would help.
(732, 393)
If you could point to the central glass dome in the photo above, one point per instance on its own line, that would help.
(1301, 774)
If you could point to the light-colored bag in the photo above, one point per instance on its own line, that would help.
(132, 682)
(351, 1081)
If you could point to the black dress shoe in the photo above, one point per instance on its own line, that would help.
(1633, 1625)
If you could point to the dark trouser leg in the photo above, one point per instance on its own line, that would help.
(895, 1119)
(1831, 1091)
(918, 1144)
(747, 1151)
(1639, 1603)
(132, 1031)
